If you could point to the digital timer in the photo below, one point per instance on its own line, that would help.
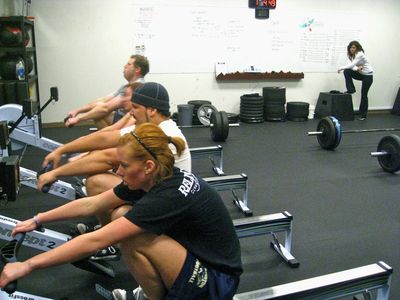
(270, 4)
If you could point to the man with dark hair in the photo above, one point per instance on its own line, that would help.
(108, 109)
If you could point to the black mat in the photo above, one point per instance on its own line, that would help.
(346, 209)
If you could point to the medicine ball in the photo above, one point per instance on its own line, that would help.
(12, 36)
(8, 66)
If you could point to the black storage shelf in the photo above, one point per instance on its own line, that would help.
(21, 88)
(16, 19)
(31, 79)
(17, 49)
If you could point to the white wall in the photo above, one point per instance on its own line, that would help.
(82, 46)
(11, 8)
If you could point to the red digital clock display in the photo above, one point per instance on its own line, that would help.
(266, 3)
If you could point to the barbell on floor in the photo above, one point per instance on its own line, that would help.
(219, 126)
(329, 132)
(388, 153)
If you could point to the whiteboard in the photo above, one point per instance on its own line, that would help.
(192, 39)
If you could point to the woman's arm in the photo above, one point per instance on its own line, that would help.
(78, 248)
(355, 63)
(75, 209)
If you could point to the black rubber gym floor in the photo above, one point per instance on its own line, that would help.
(346, 210)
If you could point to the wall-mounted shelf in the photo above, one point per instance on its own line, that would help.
(259, 76)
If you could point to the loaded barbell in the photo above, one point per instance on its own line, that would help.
(388, 153)
(329, 132)
(217, 121)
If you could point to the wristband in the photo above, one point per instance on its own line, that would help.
(36, 220)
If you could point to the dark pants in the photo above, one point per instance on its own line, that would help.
(366, 80)
(198, 282)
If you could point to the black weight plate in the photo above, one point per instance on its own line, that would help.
(327, 140)
(274, 116)
(251, 115)
(338, 131)
(251, 98)
(391, 145)
(297, 109)
(251, 105)
(224, 130)
(251, 111)
(254, 120)
(215, 126)
(274, 109)
(275, 95)
(298, 115)
(245, 106)
(233, 118)
(251, 118)
(252, 101)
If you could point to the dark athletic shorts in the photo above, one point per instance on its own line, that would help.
(196, 281)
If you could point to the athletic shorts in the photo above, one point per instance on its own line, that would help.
(196, 281)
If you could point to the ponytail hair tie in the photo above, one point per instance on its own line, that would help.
(169, 139)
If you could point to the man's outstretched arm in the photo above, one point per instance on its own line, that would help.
(94, 163)
(91, 142)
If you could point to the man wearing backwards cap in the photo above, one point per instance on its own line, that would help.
(150, 103)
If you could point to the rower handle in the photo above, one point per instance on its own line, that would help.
(9, 254)
(47, 168)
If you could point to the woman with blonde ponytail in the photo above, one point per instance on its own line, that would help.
(175, 234)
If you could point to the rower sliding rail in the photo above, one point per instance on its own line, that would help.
(210, 152)
(232, 183)
(270, 224)
(21, 295)
(337, 285)
(47, 239)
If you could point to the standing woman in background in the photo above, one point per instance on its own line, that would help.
(359, 69)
